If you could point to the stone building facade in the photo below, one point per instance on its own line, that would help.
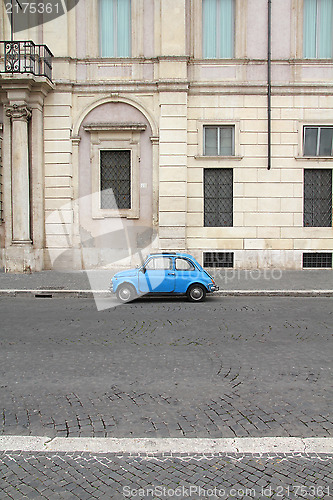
(166, 101)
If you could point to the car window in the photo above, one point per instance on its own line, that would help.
(184, 265)
(159, 263)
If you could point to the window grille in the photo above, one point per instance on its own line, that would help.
(317, 260)
(219, 141)
(115, 179)
(218, 259)
(218, 197)
(318, 141)
(317, 198)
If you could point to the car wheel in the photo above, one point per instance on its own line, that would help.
(126, 293)
(196, 293)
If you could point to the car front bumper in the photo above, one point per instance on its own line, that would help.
(213, 288)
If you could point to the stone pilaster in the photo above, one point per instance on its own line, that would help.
(19, 116)
(23, 168)
(173, 96)
(173, 170)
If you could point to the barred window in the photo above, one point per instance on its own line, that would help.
(115, 179)
(218, 259)
(317, 259)
(218, 197)
(219, 141)
(317, 198)
(318, 141)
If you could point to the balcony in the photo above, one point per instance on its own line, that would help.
(26, 57)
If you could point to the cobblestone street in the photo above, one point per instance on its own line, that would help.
(85, 476)
(231, 367)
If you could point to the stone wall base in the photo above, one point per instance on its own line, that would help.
(22, 259)
(25, 259)
(268, 259)
(259, 259)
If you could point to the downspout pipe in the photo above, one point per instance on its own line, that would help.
(269, 84)
(12, 23)
(12, 19)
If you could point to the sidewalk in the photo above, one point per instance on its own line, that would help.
(230, 281)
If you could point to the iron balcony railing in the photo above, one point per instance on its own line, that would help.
(26, 57)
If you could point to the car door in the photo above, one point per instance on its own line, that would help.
(157, 275)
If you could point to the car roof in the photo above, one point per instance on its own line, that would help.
(171, 254)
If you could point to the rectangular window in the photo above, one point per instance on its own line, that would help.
(219, 141)
(218, 197)
(318, 141)
(115, 179)
(317, 198)
(218, 259)
(218, 21)
(115, 28)
(317, 29)
(319, 259)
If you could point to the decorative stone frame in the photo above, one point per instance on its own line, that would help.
(240, 30)
(218, 123)
(113, 136)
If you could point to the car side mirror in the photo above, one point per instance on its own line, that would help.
(143, 270)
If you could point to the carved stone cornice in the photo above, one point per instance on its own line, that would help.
(18, 112)
(117, 127)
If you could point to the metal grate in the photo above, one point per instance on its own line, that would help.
(116, 179)
(317, 198)
(218, 197)
(317, 260)
(27, 57)
(218, 259)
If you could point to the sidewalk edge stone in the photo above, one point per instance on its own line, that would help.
(50, 293)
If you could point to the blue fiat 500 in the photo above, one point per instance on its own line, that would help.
(165, 273)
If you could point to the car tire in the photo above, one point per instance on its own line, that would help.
(196, 293)
(125, 293)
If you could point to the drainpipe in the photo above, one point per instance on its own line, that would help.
(12, 23)
(269, 86)
(12, 18)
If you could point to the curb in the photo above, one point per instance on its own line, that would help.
(168, 445)
(275, 293)
(88, 294)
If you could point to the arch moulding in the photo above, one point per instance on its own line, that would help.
(110, 99)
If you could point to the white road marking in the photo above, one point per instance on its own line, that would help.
(168, 445)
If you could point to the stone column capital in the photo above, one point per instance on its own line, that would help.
(154, 140)
(76, 140)
(18, 112)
